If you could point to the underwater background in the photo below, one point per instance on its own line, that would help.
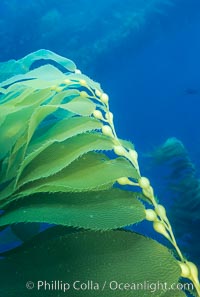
(146, 55)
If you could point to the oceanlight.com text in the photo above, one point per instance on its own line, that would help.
(113, 285)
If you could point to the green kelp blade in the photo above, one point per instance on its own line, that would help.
(25, 98)
(59, 132)
(89, 172)
(66, 95)
(15, 124)
(39, 78)
(108, 260)
(82, 175)
(14, 129)
(61, 154)
(46, 73)
(22, 66)
(44, 54)
(40, 113)
(21, 143)
(101, 210)
(11, 101)
(28, 99)
(81, 106)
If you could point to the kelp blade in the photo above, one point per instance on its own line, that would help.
(105, 258)
(100, 210)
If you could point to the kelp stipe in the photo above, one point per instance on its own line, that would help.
(56, 169)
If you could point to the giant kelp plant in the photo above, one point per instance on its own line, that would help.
(62, 163)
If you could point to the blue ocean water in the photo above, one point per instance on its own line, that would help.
(145, 54)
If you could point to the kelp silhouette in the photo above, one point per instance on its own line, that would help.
(127, 21)
(55, 131)
(183, 184)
